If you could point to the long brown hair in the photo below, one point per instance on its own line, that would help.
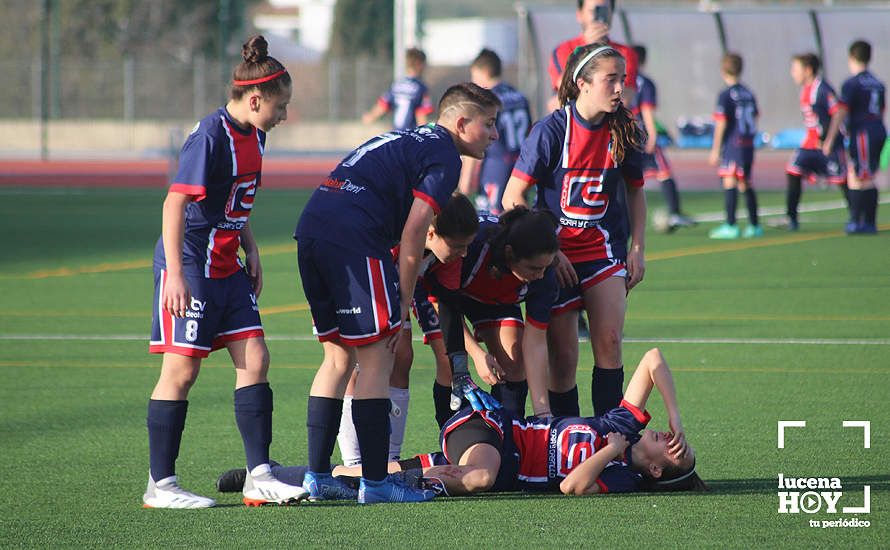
(256, 64)
(626, 133)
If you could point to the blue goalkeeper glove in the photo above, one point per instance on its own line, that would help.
(463, 387)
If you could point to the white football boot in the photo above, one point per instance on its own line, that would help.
(261, 487)
(167, 493)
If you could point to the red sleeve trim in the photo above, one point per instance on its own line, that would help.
(837, 107)
(517, 173)
(719, 116)
(383, 103)
(428, 199)
(424, 109)
(197, 192)
(636, 182)
(642, 416)
(648, 106)
(603, 487)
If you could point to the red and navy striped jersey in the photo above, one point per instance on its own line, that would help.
(407, 98)
(550, 449)
(483, 283)
(364, 204)
(561, 54)
(863, 94)
(571, 163)
(219, 167)
(817, 103)
(737, 106)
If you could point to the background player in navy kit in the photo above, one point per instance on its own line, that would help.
(384, 193)
(655, 163)
(585, 161)
(734, 130)
(205, 297)
(453, 229)
(514, 122)
(408, 98)
(511, 261)
(863, 101)
(819, 106)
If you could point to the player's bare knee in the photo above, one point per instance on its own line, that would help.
(480, 479)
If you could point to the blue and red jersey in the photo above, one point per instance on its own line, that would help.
(818, 103)
(364, 203)
(550, 449)
(864, 96)
(514, 122)
(647, 95)
(570, 161)
(219, 167)
(561, 54)
(407, 98)
(486, 283)
(737, 106)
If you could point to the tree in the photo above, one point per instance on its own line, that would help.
(362, 28)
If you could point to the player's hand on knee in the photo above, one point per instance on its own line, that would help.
(489, 370)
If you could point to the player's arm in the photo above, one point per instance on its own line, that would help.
(412, 243)
(378, 110)
(176, 291)
(636, 259)
(653, 371)
(719, 131)
(648, 114)
(252, 258)
(514, 194)
(535, 357)
(582, 480)
(834, 128)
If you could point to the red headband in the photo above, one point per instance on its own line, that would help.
(260, 80)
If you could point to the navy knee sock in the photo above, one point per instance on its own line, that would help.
(730, 200)
(371, 420)
(671, 197)
(751, 203)
(322, 426)
(870, 205)
(253, 414)
(792, 196)
(565, 403)
(165, 421)
(856, 201)
(442, 403)
(606, 389)
(512, 396)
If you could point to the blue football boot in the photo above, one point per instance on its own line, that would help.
(392, 489)
(327, 487)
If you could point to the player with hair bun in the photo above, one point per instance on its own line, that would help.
(205, 296)
(383, 193)
(585, 160)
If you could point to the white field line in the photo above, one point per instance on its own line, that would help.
(653, 340)
(780, 210)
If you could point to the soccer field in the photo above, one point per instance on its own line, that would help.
(791, 327)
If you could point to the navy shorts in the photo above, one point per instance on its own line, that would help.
(656, 165)
(354, 299)
(426, 314)
(468, 427)
(865, 148)
(221, 311)
(589, 274)
(810, 163)
(493, 179)
(736, 161)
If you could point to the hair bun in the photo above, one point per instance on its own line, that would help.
(255, 50)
